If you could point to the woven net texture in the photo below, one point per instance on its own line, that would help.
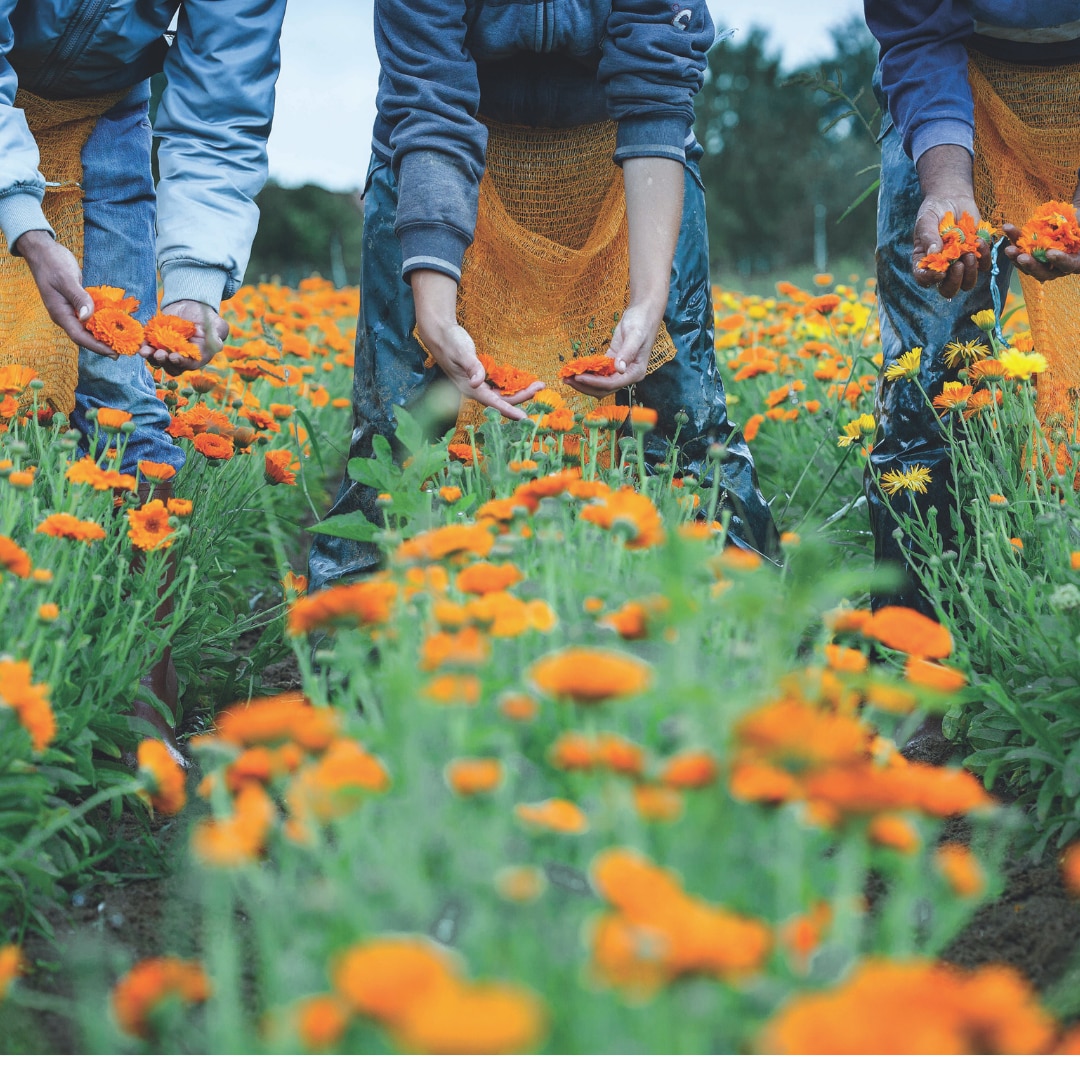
(1027, 149)
(27, 334)
(548, 273)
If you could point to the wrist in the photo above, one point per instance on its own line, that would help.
(946, 170)
(33, 240)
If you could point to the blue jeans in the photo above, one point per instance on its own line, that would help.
(390, 371)
(911, 316)
(119, 216)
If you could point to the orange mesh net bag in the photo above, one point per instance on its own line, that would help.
(548, 273)
(27, 334)
(1027, 149)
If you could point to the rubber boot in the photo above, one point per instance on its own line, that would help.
(161, 679)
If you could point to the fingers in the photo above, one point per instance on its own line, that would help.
(490, 399)
(524, 395)
(63, 314)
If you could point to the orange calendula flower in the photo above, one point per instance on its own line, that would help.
(846, 660)
(279, 467)
(909, 631)
(150, 528)
(588, 675)
(519, 707)
(109, 296)
(655, 802)
(466, 648)
(48, 612)
(321, 1022)
(69, 527)
(450, 493)
(553, 815)
(959, 867)
(609, 416)
(520, 884)
(958, 238)
(214, 447)
(117, 329)
(465, 453)
(642, 417)
(945, 1010)
(473, 776)
(180, 507)
(337, 783)
(165, 779)
(1070, 868)
(15, 378)
(270, 720)
(934, 676)
(450, 540)
(86, 471)
(505, 378)
(594, 364)
(473, 1018)
(1053, 226)
(13, 558)
(386, 977)
(454, 689)
(822, 305)
(631, 511)
(112, 419)
(240, 838)
(484, 577)
(894, 831)
(690, 769)
(149, 983)
(11, 966)
(361, 603)
(173, 335)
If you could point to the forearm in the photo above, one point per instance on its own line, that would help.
(654, 201)
(946, 169)
(435, 299)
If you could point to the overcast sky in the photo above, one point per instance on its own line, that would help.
(329, 71)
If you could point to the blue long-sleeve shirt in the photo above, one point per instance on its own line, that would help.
(649, 57)
(213, 121)
(924, 56)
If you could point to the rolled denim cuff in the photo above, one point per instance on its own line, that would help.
(432, 247)
(942, 133)
(20, 212)
(651, 136)
(187, 281)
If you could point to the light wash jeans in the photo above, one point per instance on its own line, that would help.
(119, 211)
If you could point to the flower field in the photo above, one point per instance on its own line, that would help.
(570, 774)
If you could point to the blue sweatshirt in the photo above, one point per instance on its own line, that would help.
(924, 56)
(648, 56)
(213, 121)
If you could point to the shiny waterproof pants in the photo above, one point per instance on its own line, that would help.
(912, 316)
(390, 371)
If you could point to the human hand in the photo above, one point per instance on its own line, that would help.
(211, 330)
(435, 298)
(59, 281)
(631, 347)
(946, 179)
(1059, 264)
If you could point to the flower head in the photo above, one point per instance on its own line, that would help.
(173, 335)
(905, 366)
(911, 478)
(589, 675)
(150, 528)
(117, 329)
(857, 430)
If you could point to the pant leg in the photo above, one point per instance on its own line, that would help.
(691, 383)
(119, 212)
(912, 316)
(389, 371)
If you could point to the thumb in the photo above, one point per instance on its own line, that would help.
(82, 303)
(927, 233)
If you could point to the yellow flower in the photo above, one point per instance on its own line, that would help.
(917, 479)
(1021, 366)
(905, 366)
(961, 353)
(985, 320)
(857, 430)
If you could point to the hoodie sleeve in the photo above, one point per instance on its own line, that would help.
(213, 121)
(428, 97)
(653, 63)
(22, 186)
(924, 70)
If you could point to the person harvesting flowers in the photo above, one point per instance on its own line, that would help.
(533, 197)
(78, 204)
(980, 149)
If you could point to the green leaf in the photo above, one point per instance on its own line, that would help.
(354, 526)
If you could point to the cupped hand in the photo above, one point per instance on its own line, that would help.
(631, 347)
(211, 330)
(455, 353)
(927, 241)
(59, 281)
(1058, 264)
